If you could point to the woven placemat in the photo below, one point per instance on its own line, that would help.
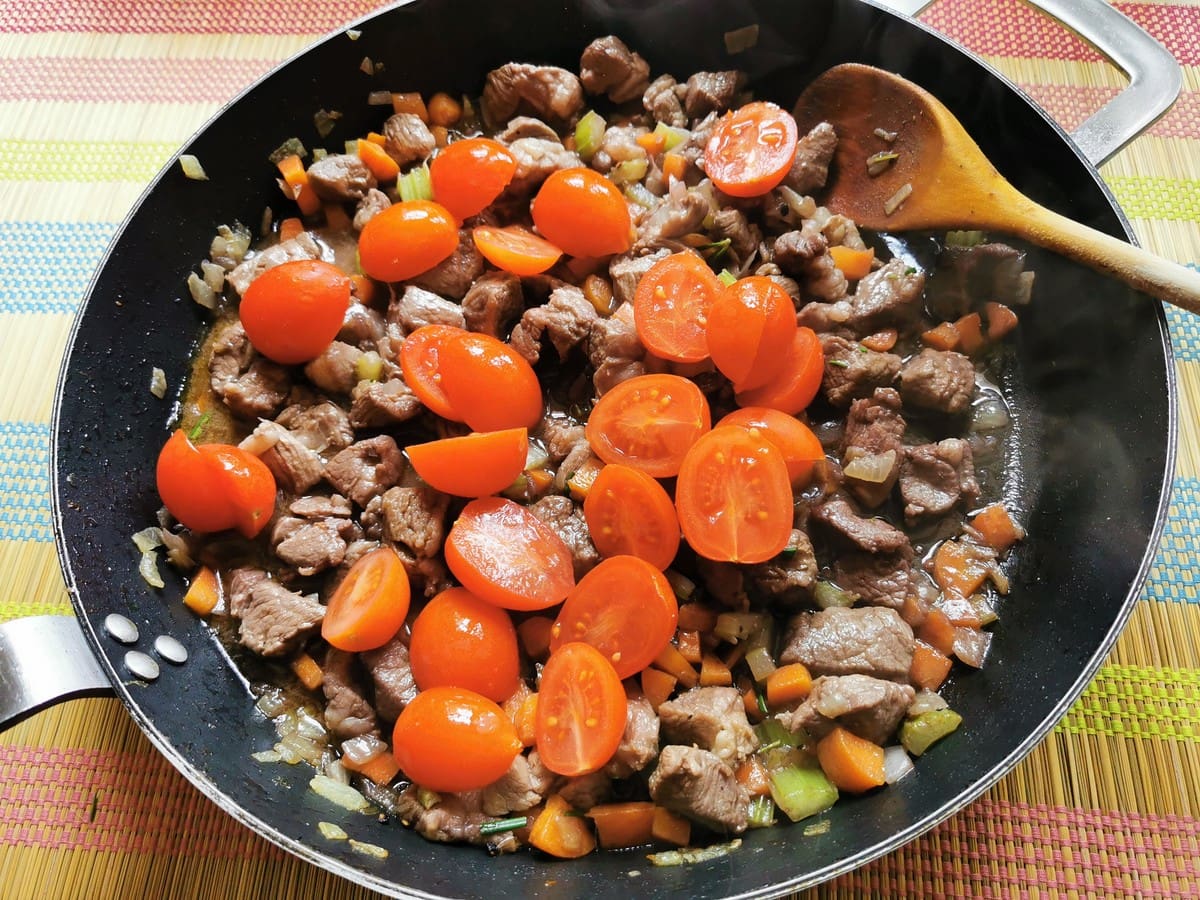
(95, 95)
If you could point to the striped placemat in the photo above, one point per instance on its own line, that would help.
(96, 94)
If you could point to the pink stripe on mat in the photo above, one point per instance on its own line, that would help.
(182, 16)
(124, 80)
(1070, 106)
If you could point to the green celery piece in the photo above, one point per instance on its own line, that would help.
(921, 732)
(589, 133)
(802, 790)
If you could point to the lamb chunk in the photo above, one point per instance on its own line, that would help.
(941, 380)
(348, 712)
(709, 92)
(626, 271)
(680, 212)
(609, 67)
(967, 276)
(804, 254)
(561, 434)
(275, 621)
(615, 350)
(310, 546)
(251, 385)
(240, 586)
(362, 326)
(567, 521)
(585, 791)
(869, 707)
(493, 303)
(296, 468)
(890, 295)
(731, 223)
(810, 166)
(935, 477)
(454, 819)
(639, 743)
(725, 582)
(699, 785)
(566, 318)
(335, 371)
(868, 640)
(537, 159)
(874, 428)
(661, 100)
(416, 307)
(693, 148)
(454, 275)
(548, 92)
(380, 403)
(519, 789)
(321, 506)
(392, 675)
(372, 204)
(427, 573)
(302, 246)
(618, 145)
(321, 427)
(416, 518)
(873, 535)
(787, 579)
(407, 138)
(366, 469)
(880, 579)
(527, 127)
(713, 718)
(339, 177)
(851, 370)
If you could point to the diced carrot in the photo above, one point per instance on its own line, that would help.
(652, 142)
(943, 336)
(444, 110)
(960, 568)
(674, 165)
(336, 217)
(914, 610)
(657, 686)
(376, 138)
(289, 228)
(855, 264)
(787, 684)
(750, 703)
(960, 611)
(380, 769)
(670, 660)
(688, 643)
(929, 667)
(852, 763)
(735, 654)
(539, 480)
(670, 828)
(204, 593)
(560, 832)
(535, 633)
(697, 617)
(881, 341)
(307, 670)
(1000, 319)
(363, 288)
(623, 824)
(411, 103)
(714, 672)
(938, 632)
(526, 721)
(997, 528)
(753, 776)
(970, 333)
(375, 158)
(441, 135)
(297, 186)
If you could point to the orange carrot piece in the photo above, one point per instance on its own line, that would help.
(441, 135)
(929, 667)
(526, 721)
(336, 217)
(623, 824)
(674, 165)
(1000, 319)
(363, 288)
(375, 158)
(914, 611)
(697, 617)
(380, 769)
(539, 480)
(652, 142)
(560, 832)
(941, 337)
(852, 763)
(670, 828)
(204, 593)
(970, 333)
(444, 110)
(997, 528)
(938, 632)
(959, 568)
(750, 703)
(535, 633)
(670, 660)
(881, 341)
(714, 672)
(855, 264)
(307, 670)
(297, 186)
(688, 643)
(753, 776)
(411, 103)
(376, 138)
(291, 227)
(787, 684)
(657, 686)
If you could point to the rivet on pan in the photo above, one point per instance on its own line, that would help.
(141, 665)
(170, 649)
(120, 628)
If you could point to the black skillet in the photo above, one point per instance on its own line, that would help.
(1090, 464)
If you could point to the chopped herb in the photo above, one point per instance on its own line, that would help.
(840, 363)
(499, 826)
(762, 702)
(910, 271)
(198, 428)
(714, 251)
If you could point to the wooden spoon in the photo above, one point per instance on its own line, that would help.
(953, 183)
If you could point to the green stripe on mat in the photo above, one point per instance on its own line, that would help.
(1168, 199)
(1139, 702)
(87, 161)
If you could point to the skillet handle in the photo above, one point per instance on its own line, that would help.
(44, 659)
(1155, 78)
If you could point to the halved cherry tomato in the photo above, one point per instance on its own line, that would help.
(751, 324)
(505, 554)
(450, 739)
(406, 239)
(468, 175)
(515, 249)
(733, 497)
(751, 149)
(420, 356)
(625, 608)
(582, 212)
(293, 311)
(795, 440)
(581, 710)
(474, 465)
(212, 487)
(628, 512)
(649, 422)
(671, 306)
(370, 604)
(797, 382)
(462, 641)
(488, 383)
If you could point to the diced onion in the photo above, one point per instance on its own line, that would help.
(885, 135)
(265, 756)
(308, 727)
(272, 703)
(896, 764)
(334, 769)
(158, 382)
(897, 199)
(147, 539)
(688, 855)
(971, 645)
(214, 275)
(741, 39)
(875, 468)
(230, 245)
(353, 33)
(798, 205)
(362, 749)
(989, 414)
(926, 701)
(732, 627)
(332, 832)
(192, 168)
(200, 291)
(368, 849)
(826, 594)
(880, 162)
(341, 794)
(148, 569)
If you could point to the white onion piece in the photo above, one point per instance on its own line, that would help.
(971, 645)
(875, 468)
(926, 701)
(201, 292)
(362, 749)
(989, 414)
(341, 794)
(896, 764)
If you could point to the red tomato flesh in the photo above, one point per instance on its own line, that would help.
(649, 422)
(671, 304)
(580, 712)
(751, 149)
(629, 513)
(795, 440)
(370, 604)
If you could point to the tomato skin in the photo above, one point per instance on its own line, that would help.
(582, 212)
(489, 384)
(420, 361)
(406, 239)
(370, 604)
(502, 552)
(515, 249)
(629, 513)
(293, 311)
(750, 150)
(625, 608)
(795, 440)
(473, 465)
(450, 739)
(734, 498)
(581, 710)
(648, 422)
(468, 175)
(671, 304)
(212, 487)
(797, 382)
(751, 324)
(459, 640)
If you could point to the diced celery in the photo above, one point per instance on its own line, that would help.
(760, 662)
(802, 790)
(964, 238)
(761, 813)
(369, 366)
(589, 133)
(921, 732)
(672, 137)
(734, 627)
(770, 732)
(629, 171)
(826, 594)
(415, 184)
(638, 193)
(726, 277)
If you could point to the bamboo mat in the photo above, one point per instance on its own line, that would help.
(94, 96)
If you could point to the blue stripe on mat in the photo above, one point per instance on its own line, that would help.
(45, 267)
(1174, 575)
(25, 482)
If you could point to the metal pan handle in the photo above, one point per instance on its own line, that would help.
(44, 659)
(1155, 78)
